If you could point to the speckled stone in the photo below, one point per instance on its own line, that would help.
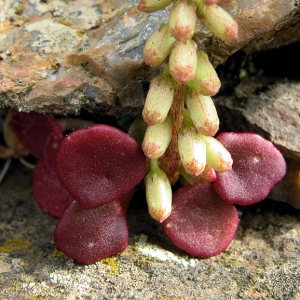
(87, 56)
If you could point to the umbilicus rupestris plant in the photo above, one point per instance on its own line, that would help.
(182, 121)
(179, 110)
(88, 177)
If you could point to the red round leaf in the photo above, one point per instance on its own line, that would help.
(257, 167)
(201, 224)
(99, 164)
(48, 191)
(34, 129)
(89, 235)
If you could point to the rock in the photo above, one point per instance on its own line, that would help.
(64, 58)
(267, 103)
(270, 109)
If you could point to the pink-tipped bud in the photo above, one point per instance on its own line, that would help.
(203, 113)
(157, 138)
(182, 20)
(192, 150)
(158, 46)
(220, 23)
(153, 5)
(158, 193)
(217, 156)
(206, 80)
(208, 175)
(159, 99)
(183, 61)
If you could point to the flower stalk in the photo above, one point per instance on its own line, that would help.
(180, 113)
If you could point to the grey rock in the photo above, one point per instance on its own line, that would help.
(84, 56)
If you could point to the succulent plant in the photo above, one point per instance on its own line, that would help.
(88, 177)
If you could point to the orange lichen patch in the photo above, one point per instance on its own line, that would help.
(112, 264)
(12, 245)
(64, 22)
(81, 32)
(57, 253)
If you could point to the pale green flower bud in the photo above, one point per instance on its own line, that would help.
(206, 80)
(157, 138)
(203, 113)
(183, 61)
(208, 175)
(158, 46)
(220, 22)
(158, 193)
(192, 149)
(182, 20)
(159, 99)
(217, 156)
(153, 5)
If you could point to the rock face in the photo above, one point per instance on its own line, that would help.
(273, 113)
(86, 56)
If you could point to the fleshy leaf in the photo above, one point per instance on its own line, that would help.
(99, 164)
(201, 224)
(257, 167)
(89, 235)
(47, 190)
(34, 129)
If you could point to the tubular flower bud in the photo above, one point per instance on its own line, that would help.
(159, 99)
(217, 156)
(220, 23)
(153, 5)
(206, 80)
(158, 193)
(183, 61)
(192, 150)
(158, 46)
(157, 138)
(203, 113)
(208, 175)
(182, 20)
